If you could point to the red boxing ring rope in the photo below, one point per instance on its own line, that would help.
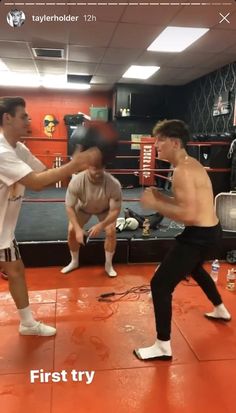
(163, 177)
(130, 171)
(25, 139)
(63, 200)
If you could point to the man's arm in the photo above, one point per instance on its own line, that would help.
(72, 197)
(114, 205)
(164, 198)
(80, 161)
(182, 207)
(112, 215)
(72, 218)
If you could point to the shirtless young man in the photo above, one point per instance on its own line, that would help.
(193, 204)
(19, 169)
(93, 192)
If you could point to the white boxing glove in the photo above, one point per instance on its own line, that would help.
(120, 224)
(131, 224)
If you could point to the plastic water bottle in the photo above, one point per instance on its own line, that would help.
(215, 270)
(230, 285)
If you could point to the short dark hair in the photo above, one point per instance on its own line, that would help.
(9, 105)
(13, 11)
(173, 128)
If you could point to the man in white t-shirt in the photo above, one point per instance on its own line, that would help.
(93, 192)
(19, 169)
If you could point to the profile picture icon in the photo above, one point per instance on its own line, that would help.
(15, 18)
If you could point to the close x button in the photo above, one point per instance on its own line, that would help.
(224, 18)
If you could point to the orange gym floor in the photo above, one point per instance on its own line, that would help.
(100, 337)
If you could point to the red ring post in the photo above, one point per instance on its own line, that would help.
(147, 161)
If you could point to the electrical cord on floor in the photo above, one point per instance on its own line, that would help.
(106, 311)
(133, 294)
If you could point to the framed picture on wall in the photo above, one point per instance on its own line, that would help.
(221, 104)
(136, 138)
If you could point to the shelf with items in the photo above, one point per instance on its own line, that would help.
(123, 113)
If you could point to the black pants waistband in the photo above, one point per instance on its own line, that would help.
(201, 235)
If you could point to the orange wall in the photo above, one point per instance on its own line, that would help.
(59, 104)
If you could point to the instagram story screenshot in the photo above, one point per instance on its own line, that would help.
(117, 206)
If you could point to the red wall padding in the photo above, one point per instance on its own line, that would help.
(59, 104)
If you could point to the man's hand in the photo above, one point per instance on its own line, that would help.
(79, 234)
(149, 198)
(95, 230)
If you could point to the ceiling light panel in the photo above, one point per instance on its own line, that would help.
(140, 72)
(176, 39)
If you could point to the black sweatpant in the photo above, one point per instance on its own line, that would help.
(184, 259)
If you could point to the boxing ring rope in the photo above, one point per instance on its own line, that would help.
(68, 157)
(131, 171)
(163, 177)
(126, 142)
(192, 143)
(125, 171)
(27, 138)
(146, 172)
(224, 143)
(33, 200)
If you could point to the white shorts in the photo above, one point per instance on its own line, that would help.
(10, 254)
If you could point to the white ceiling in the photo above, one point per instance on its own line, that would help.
(119, 37)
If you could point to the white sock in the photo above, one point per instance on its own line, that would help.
(26, 317)
(159, 350)
(219, 312)
(108, 264)
(73, 264)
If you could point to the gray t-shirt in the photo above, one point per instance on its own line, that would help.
(93, 198)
